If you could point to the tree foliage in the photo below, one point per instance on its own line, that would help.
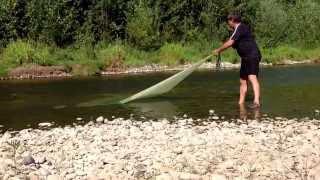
(148, 24)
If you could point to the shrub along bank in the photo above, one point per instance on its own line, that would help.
(87, 37)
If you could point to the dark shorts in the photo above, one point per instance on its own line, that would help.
(249, 66)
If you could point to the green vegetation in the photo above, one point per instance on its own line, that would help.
(88, 36)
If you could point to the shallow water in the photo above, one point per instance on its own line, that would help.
(286, 91)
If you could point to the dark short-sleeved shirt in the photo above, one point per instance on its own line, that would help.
(245, 44)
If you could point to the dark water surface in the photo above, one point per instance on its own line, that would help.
(286, 91)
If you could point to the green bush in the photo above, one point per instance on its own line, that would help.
(305, 22)
(24, 52)
(140, 28)
(111, 56)
(80, 61)
(272, 23)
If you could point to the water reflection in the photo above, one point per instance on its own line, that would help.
(155, 109)
(246, 113)
(289, 92)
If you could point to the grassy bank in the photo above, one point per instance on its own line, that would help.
(88, 60)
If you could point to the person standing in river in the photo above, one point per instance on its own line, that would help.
(243, 41)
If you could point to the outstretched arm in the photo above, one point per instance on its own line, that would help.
(225, 46)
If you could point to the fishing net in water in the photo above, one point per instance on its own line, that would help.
(165, 85)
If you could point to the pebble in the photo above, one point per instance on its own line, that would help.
(100, 119)
(106, 120)
(45, 124)
(33, 177)
(41, 160)
(215, 118)
(94, 178)
(165, 149)
(44, 172)
(27, 160)
(164, 176)
(54, 177)
(79, 119)
(216, 177)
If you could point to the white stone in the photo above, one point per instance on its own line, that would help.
(189, 176)
(215, 118)
(33, 177)
(216, 177)
(41, 160)
(100, 119)
(289, 131)
(44, 172)
(8, 162)
(79, 119)
(315, 173)
(106, 120)
(45, 124)
(54, 177)
(164, 176)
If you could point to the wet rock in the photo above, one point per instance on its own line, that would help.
(215, 118)
(45, 124)
(278, 118)
(100, 119)
(79, 119)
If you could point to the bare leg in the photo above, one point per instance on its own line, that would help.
(243, 90)
(243, 112)
(256, 88)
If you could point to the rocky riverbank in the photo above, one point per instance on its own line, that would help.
(41, 72)
(181, 149)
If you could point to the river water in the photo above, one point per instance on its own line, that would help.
(289, 91)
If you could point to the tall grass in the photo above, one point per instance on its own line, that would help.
(286, 52)
(89, 60)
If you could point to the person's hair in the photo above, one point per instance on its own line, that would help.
(234, 17)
